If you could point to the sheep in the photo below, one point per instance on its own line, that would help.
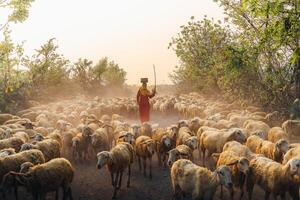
(253, 125)
(57, 137)
(214, 141)
(276, 133)
(42, 130)
(5, 117)
(180, 152)
(182, 123)
(199, 182)
(146, 129)
(12, 142)
(271, 176)
(163, 144)
(274, 151)
(194, 125)
(239, 167)
(136, 130)
(125, 136)
(78, 148)
(117, 160)
(43, 178)
(110, 133)
(291, 127)
(253, 143)
(145, 148)
(273, 118)
(185, 136)
(7, 152)
(292, 153)
(100, 140)
(14, 161)
(294, 145)
(22, 135)
(240, 150)
(49, 147)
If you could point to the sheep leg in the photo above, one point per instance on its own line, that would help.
(177, 193)
(294, 191)
(120, 180)
(267, 195)
(139, 161)
(221, 194)
(129, 173)
(249, 186)
(282, 196)
(56, 194)
(158, 158)
(164, 161)
(242, 182)
(150, 167)
(70, 193)
(115, 186)
(112, 179)
(16, 192)
(203, 156)
(144, 166)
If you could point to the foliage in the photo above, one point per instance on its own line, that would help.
(255, 58)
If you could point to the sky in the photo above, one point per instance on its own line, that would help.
(133, 33)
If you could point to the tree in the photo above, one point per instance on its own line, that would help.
(114, 75)
(199, 46)
(47, 67)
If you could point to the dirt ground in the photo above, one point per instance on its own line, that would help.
(93, 184)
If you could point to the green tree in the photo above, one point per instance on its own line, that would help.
(47, 67)
(114, 75)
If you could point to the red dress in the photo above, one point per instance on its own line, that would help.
(142, 99)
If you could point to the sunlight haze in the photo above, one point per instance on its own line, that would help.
(133, 33)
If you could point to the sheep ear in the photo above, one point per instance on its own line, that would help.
(216, 156)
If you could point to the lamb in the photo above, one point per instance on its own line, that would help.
(239, 167)
(145, 149)
(180, 152)
(43, 178)
(50, 148)
(7, 152)
(213, 142)
(13, 162)
(274, 151)
(117, 160)
(12, 142)
(271, 176)
(163, 144)
(185, 136)
(199, 182)
(291, 127)
(276, 133)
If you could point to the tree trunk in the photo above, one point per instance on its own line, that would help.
(297, 80)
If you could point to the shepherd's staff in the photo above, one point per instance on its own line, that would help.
(154, 77)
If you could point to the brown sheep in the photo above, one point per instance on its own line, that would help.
(253, 125)
(276, 133)
(163, 142)
(14, 162)
(291, 127)
(117, 160)
(271, 176)
(100, 140)
(146, 129)
(240, 150)
(185, 136)
(199, 182)
(253, 143)
(274, 151)
(50, 148)
(145, 149)
(7, 152)
(214, 141)
(13, 142)
(180, 152)
(239, 167)
(44, 178)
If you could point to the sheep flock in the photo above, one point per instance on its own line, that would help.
(215, 150)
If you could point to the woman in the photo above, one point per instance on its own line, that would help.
(142, 99)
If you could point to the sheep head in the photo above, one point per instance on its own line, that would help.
(174, 155)
(150, 146)
(237, 135)
(294, 166)
(26, 146)
(166, 141)
(224, 176)
(282, 146)
(192, 142)
(103, 158)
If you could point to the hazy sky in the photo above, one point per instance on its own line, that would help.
(134, 33)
